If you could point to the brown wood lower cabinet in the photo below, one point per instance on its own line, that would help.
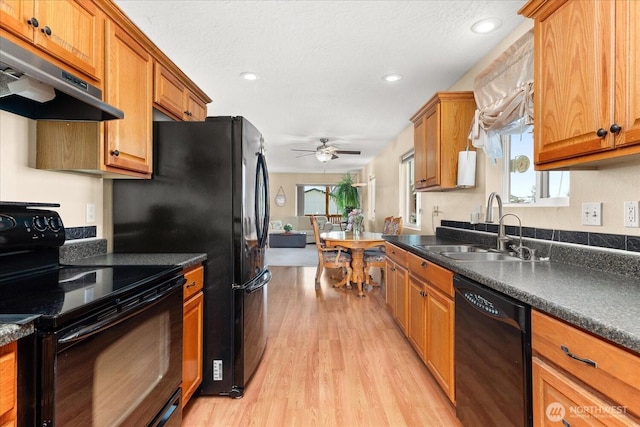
(397, 285)
(420, 297)
(193, 311)
(579, 379)
(431, 319)
(8, 384)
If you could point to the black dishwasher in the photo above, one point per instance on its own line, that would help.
(492, 357)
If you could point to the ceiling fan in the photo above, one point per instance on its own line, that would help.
(325, 152)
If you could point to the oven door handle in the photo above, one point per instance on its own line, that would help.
(108, 322)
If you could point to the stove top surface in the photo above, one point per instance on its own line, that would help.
(69, 291)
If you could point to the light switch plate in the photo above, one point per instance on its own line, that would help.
(91, 213)
(592, 213)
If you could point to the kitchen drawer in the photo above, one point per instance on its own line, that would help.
(397, 255)
(433, 274)
(574, 405)
(195, 281)
(616, 373)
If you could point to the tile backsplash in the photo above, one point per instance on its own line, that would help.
(74, 233)
(600, 240)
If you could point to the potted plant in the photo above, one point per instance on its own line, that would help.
(287, 228)
(345, 195)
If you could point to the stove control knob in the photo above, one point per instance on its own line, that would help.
(39, 223)
(55, 223)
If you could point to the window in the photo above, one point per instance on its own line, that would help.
(410, 197)
(522, 183)
(315, 200)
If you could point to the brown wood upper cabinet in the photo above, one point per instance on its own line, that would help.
(441, 128)
(586, 81)
(171, 96)
(69, 30)
(128, 142)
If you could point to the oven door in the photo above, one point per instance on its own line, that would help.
(120, 370)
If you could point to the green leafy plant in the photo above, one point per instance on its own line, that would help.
(288, 227)
(345, 195)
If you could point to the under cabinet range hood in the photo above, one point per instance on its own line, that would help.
(32, 87)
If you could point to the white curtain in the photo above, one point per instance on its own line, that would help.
(504, 97)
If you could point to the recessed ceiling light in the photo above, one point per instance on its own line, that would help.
(391, 78)
(249, 76)
(486, 25)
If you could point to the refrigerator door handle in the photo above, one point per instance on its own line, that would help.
(262, 200)
(255, 284)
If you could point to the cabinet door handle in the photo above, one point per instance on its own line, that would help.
(601, 133)
(615, 128)
(115, 153)
(573, 356)
(46, 30)
(34, 22)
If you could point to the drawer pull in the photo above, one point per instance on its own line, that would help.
(191, 285)
(424, 264)
(573, 356)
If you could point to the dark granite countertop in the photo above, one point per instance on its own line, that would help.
(184, 260)
(11, 332)
(599, 301)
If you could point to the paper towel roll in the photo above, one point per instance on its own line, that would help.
(466, 169)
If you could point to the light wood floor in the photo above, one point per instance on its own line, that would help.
(332, 359)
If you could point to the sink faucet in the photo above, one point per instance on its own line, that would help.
(502, 236)
(522, 251)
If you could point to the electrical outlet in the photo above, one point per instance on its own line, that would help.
(631, 214)
(592, 213)
(91, 213)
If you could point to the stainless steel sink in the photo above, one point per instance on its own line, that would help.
(480, 256)
(453, 248)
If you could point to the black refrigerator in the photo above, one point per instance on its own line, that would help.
(209, 193)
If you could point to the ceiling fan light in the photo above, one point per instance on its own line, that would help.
(324, 156)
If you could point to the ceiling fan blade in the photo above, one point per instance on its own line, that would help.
(304, 155)
(308, 151)
(347, 152)
(333, 156)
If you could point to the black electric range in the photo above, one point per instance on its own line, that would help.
(107, 341)
(34, 283)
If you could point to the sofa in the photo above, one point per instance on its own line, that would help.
(300, 224)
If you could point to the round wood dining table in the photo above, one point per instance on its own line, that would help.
(356, 243)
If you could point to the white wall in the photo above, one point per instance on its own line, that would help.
(21, 182)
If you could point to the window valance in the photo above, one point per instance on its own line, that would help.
(504, 96)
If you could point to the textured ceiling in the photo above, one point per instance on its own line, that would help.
(320, 64)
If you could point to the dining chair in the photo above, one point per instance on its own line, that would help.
(375, 257)
(335, 257)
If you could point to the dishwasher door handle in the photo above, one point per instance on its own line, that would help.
(573, 356)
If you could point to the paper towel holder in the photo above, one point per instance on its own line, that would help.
(466, 169)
